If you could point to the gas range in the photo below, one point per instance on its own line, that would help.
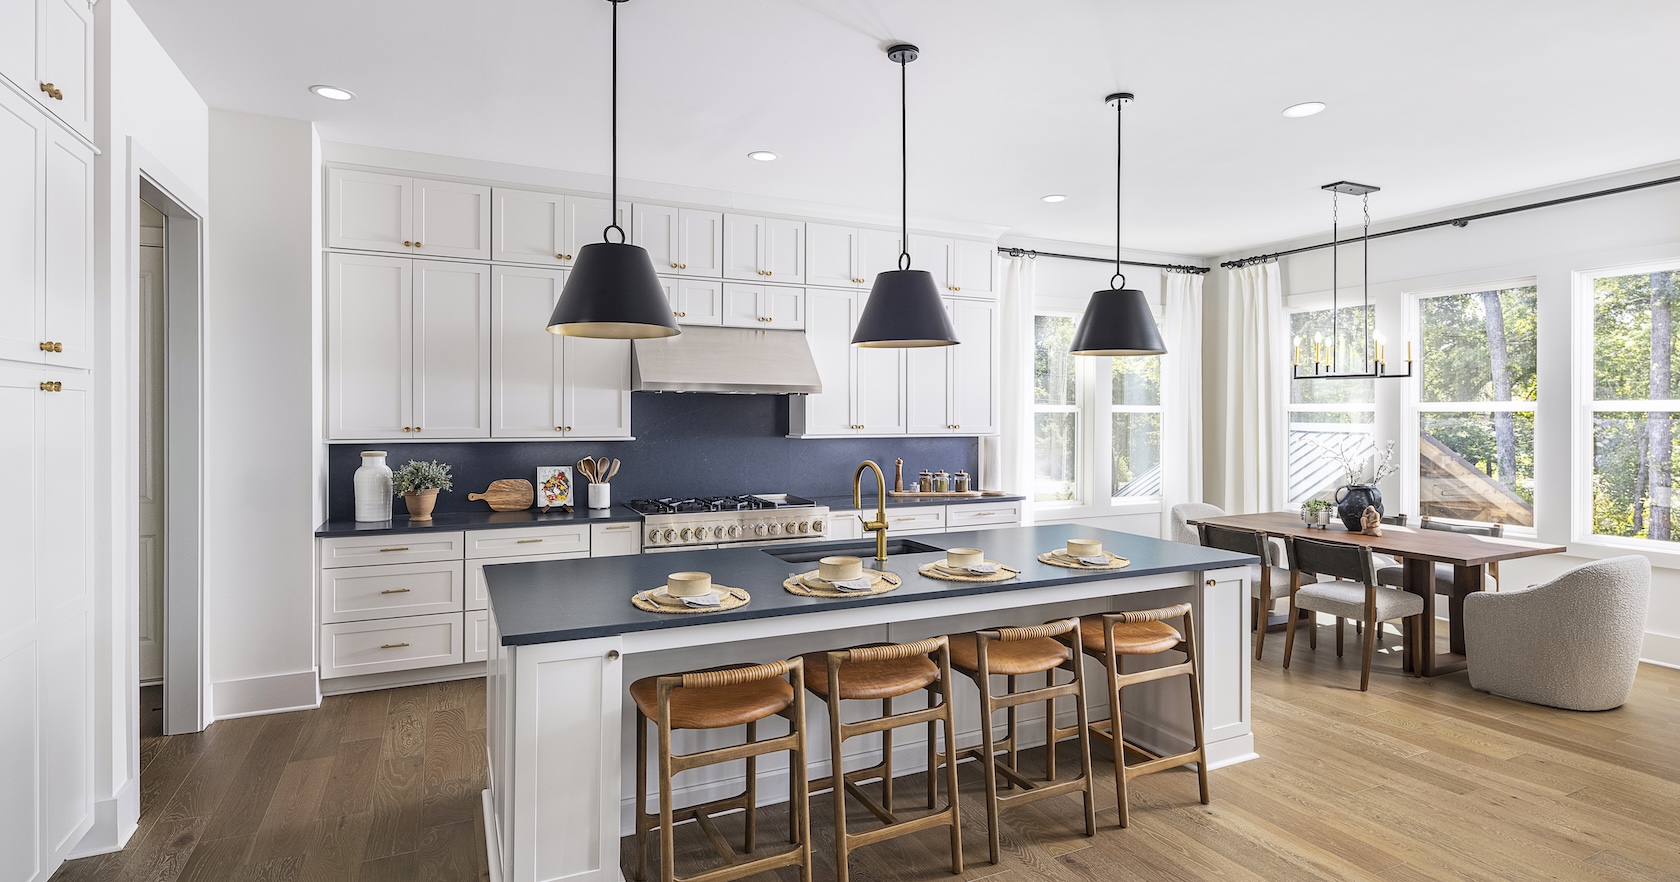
(725, 521)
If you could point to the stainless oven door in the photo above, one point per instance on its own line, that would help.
(663, 550)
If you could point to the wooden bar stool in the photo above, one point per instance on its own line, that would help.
(1011, 652)
(717, 699)
(1112, 637)
(884, 672)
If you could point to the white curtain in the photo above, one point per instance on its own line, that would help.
(1181, 392)
(1257, 390)
(1006, 460)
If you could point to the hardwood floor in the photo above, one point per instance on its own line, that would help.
(1413, 780)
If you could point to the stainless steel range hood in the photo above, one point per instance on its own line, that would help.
(741, 360)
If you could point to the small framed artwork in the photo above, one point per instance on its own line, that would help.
(554, 486)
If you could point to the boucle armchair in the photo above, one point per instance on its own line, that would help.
(1571, 643)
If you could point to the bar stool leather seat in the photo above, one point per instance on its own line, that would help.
(716, 708)
(873, 679)
(1032, 656)
(1130, 638)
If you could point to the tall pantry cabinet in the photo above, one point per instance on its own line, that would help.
(46, 300)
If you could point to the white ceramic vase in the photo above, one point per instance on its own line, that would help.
(600, 496)
(373, 487)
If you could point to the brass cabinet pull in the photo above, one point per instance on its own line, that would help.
(417, 243)
(396, 591)
(51, 346)
(52, 386)
(682, 266)
(407, 244)
(52, 91)
(392, 645)
(673, 266)
(956, 288)
(559, 429)
(612, 655)
(616, 528)
(416, 428)
(526, 541)
(683, 314)
(568, 257)
(408, 428)
(401, 548)
(568, 428)
(769, 272)
(1211, 583)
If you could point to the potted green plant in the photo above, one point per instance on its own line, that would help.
(418, 484)
(1316, 513)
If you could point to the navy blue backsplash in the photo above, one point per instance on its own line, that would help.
(687, 444)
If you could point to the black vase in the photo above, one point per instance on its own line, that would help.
(1352, 500)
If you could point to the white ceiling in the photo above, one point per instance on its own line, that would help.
(1439, 102)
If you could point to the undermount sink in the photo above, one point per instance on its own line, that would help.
(864, 550)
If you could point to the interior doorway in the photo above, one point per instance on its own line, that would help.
(151, 394)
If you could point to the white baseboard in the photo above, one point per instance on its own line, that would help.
(394, 679)
(273, 694)
(114, 821)
(1661, 649)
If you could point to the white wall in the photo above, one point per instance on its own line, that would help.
(1548, 245)
(141, 99)
(262, 419)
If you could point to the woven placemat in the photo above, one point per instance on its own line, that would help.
(1115, 561)
(734, 599)
(933, 571)
(796, 584)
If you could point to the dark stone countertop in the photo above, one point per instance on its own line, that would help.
(844, 503)
(551, 601)
(475, 520)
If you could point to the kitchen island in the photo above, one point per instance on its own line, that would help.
(567, 643)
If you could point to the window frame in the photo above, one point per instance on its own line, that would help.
(1082, 445)
(1324, 305)
(1160, 417)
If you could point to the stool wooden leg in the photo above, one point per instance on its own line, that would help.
(1049, 732)
(1013, 739)
(949, 720)
(1083, 722)
(933, 754)
(989, 764)
(641, 796)
(836, 739)
(752, 792)
(1196, 706)
(667, 826)
(800, 813)
(886, 758)
(1116, 715)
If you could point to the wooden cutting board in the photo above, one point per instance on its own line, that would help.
(508, 494)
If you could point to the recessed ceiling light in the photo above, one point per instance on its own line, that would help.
(1304, 109)
(1053, 197)
(333, 92)
(761, 155)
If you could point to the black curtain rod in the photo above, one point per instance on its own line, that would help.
(1457, 221)
(1028, 252)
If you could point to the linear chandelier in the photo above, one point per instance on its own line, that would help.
(1326, 353)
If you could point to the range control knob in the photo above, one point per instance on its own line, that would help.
(816, 526)
(791, 528)
(804, 527)
(653, 535)
(775, 528)
(734, 531)
(670, 535)
(760, 529)
(685, 533)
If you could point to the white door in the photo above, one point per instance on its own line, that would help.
(830, 318)
(525, 365)
(654, 227)
(974, 367)
(370, 355)
(369, 211)
(933, 253)
(700, 251)
(451, 350)
(928, 388)
(783, 309)
(831, 256)
(68, 304)
(595, 388)
(150, 465)
(22, 241)
(974, 268)
(784, 249)
(586, 220)
(451, 219)
(877, 252)
(743, 246)
(17, 42)
(740, 305)
(67, 61)
(527, 227)
(696, 301)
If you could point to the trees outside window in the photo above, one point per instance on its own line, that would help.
(1135, 410)
(1334, 413)
(1632, 403)
(1055, 411)
(1475, 405)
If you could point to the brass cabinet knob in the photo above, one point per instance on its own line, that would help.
(682, 266)
(416, 430)
(956, 288)
(57, 346)
(612, 655)
(559, 256)
(673, 266)
(558, 429)
(407, 429)
(568, 428)
(46, 387)
(47, 346)
(417, 243)
(683, 314)
(407, 244)
(769, 272)
(769, 318)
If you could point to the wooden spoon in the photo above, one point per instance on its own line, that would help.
(601, 469)
(612, 470)
(584, 466)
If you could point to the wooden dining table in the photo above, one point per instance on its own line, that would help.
(1419, 551)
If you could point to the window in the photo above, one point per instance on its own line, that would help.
(1337, 414)
(1631, 403)
(1055, 411)
(1475, 405)
(1135, 412)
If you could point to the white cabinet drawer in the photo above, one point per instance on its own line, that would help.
(614, 540)
(352, 648)
(477, 635)
(527, 540)
(478, 597)
(981, 515)
(905, 521)
(357, 551)
(350, 594)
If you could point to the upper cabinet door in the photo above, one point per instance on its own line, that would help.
(22, 239)
(974, 268)
(828, 328)
(370, 355)
(974, 369)
(451, 220)
(700, 243)
(528, 227)
(369, 211)
(17, 42)
(67, 308)
(932, 253)
(587, 219)
(880, 391)
(740, 306)
(743, 247)
(831, 256)
(877, 252)
(524, 357)
(783, 309)
(451, 350)
(696, 301)
(67, 62)
(654, 227)
(928, 381)
(595, 392)
(784, 249)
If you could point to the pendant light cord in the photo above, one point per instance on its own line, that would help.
(622, 238)
(1119, 163)
(904, 162)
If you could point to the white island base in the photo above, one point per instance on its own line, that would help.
(561, 725)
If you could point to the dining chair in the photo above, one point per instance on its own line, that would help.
(1347, 589)
(1261, 577)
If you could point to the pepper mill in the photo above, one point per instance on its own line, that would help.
(898, 476)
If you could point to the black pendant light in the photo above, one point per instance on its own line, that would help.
(613, 291)
(1117, 321)
(904, 310)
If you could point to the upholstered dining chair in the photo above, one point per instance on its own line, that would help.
(1263, 580)
(1347, 589)
(1571, 643)
(1185, 512)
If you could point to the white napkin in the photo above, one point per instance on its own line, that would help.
(980, 569)
(710, 598)
(1097, 560)
(861, 583)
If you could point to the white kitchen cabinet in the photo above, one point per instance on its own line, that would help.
(958, 266)
(877, 252)
(545, 385)
(760, 248)
(879, 391)
(408, 348)
(354, 594)
(933, 253)
(379, 646)
(477, 636)
(19, 41)
(769, 307)
(863, 388)
(928, 397)
(952, 390)
(680, 241)
(615, 540)
(846, 257)
(982, 515)
(378, 212)
(67, 302)
(587, 221)
(46, 239)
(546, 228)
(695, 301)
(46, 49)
